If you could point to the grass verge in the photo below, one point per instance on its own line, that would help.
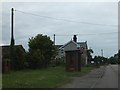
(45, 78)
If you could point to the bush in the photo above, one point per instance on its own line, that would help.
(41, 51)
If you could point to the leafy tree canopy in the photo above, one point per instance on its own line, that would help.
(41, 51)
(89, 54)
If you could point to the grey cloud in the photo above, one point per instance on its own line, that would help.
(27, 25)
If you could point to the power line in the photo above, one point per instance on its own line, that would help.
(66, 35)
(66, 19)
(84, 34)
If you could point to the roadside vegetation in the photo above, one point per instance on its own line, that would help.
(51, 77)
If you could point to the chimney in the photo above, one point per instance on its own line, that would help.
(75, 38)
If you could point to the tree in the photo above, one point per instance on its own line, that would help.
(100, 60)
(41, 51)
(89, 52)
(115, 59)
(112, 60)
(119, 56)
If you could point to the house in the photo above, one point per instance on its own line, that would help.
(74, 45)
(5, 56)
(84, 47)
(60, 51)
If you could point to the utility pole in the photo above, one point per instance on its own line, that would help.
(102, 52)
(12, 49)
(54, 39)
(12, 22)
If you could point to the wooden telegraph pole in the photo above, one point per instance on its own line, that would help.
(12, 49)
(54, 39)
(102, 52)
(12, 36)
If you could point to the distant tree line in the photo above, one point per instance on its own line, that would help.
(100, 60)
(115, 59)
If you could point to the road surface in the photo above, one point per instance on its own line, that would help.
(103, 77)
(109, 79)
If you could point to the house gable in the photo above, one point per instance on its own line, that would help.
(71, 45)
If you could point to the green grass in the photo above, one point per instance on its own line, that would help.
(0, 80)
(45, 78)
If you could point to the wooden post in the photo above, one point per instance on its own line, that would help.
(12, 49)
(12, 36)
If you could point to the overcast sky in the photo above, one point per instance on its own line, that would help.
(94, 22)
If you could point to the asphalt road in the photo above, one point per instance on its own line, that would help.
(103, 77)
(109, 79)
